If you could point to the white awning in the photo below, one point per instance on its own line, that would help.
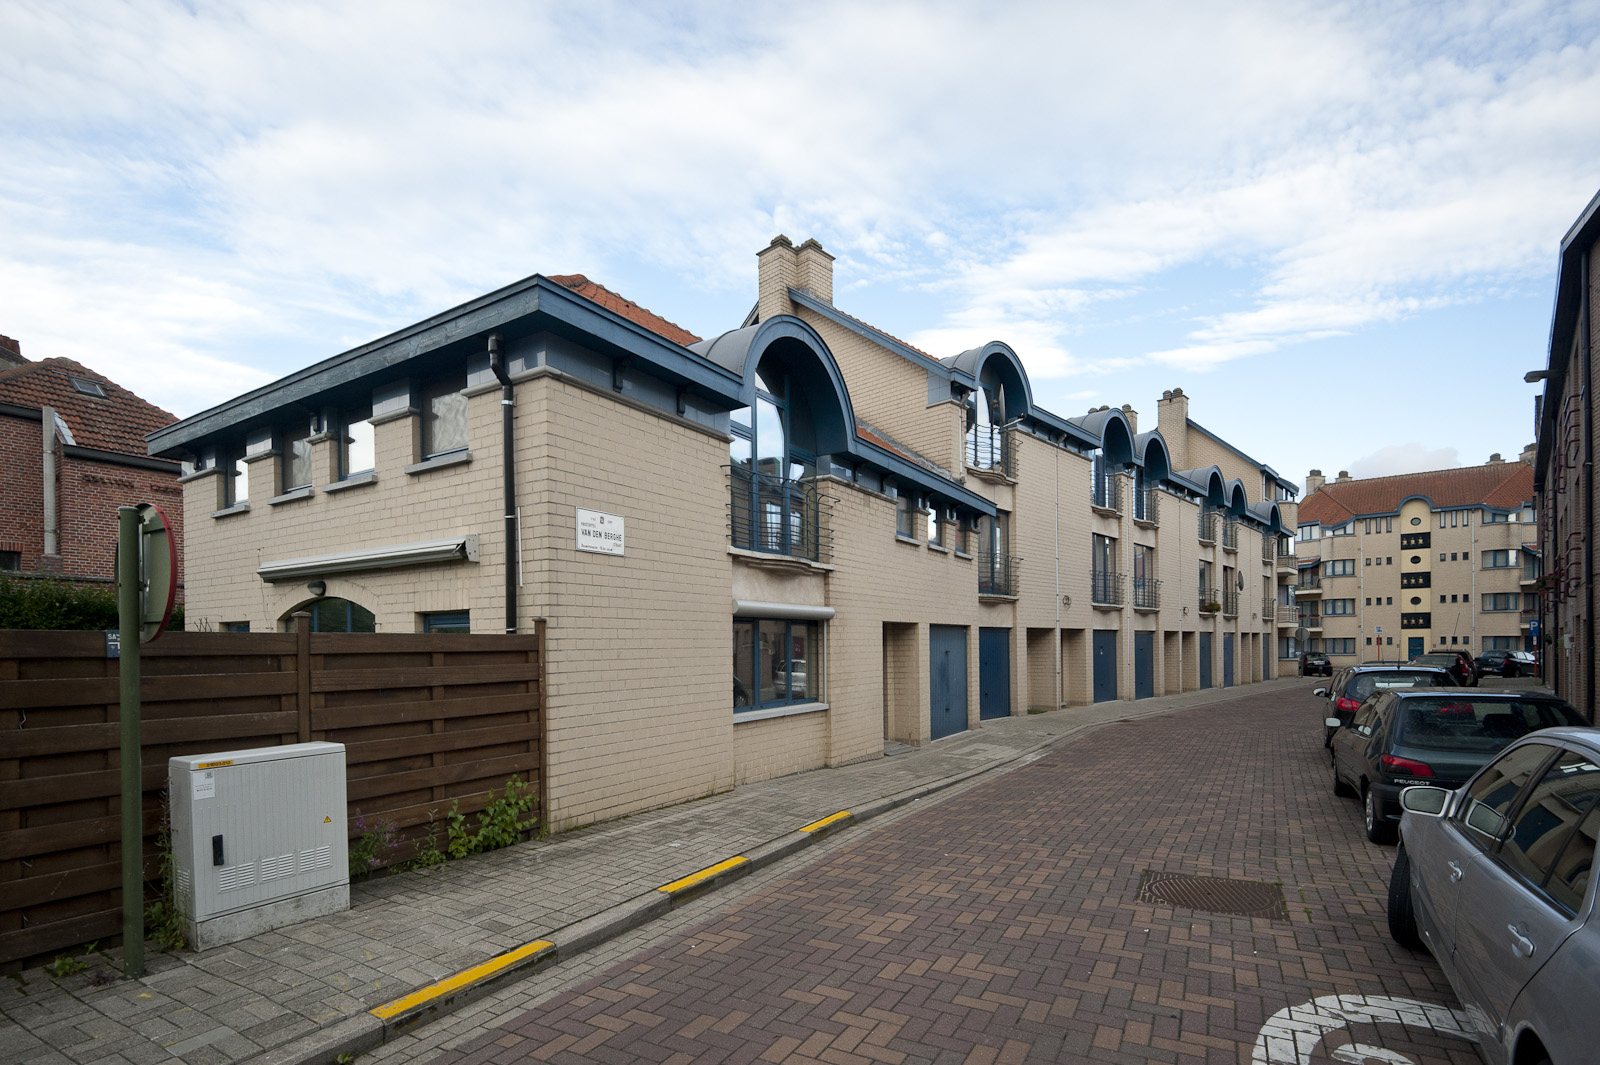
(748, 608)
(421, 553)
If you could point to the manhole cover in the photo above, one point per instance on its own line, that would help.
(1244, 898)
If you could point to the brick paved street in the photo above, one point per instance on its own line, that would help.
(1003, 925)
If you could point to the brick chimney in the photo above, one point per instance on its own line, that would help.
(1314, 481)
(815, 270)
(777, 268)
(1172, 419)
(1344, 475)
(1530, 454)
(1133, 417)
(10, 353)
(1496, 460)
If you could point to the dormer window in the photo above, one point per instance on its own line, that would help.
(87, 387)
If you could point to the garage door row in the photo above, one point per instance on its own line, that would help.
(947, 681)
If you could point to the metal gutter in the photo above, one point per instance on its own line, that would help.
(391, 556)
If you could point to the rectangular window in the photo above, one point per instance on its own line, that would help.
(1308, 532)
(297, 455)
(1338, 606)
(1388, 525)
(1367, 527)
(1416, 621)
(1495, 602)
(1466, 597)
(1344, 646)
(234, 626)
(1502, 643)
(1413, 541)
(11, 560)
(1441, 556)
(444, 416)
(447, 621)
(1498, 559)
(1388, 560)
(1390, 601)
(775, 664)
(935, 528)
(1366, 562)
(905, 516)
(1491, 517)
(1369, 601)
(1339, 567)
(236, 480)
(1369, 641)
(357, 448)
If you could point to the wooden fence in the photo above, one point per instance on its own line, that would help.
(426, 719)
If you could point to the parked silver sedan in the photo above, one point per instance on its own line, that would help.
(1494, 879)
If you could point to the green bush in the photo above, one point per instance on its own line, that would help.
(43, 603)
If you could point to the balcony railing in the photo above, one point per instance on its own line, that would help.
(1208, 527)
(1230, 602)
(997, 574)
(1146, 593)
(1106, 493)
(1230, 536)
(1209, 602)
(1269, 548)
(1308, 583)
(1311, 621)
(1105, 588)
(1147, 506)
(777, 515)
(1268, 606)
(989, 448)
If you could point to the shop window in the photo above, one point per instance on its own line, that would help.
(776, 663)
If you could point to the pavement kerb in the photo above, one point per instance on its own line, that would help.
(365, 1031)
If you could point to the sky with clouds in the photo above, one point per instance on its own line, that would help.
(1335, 225)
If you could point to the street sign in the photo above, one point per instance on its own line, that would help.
(1533, 628)
(1380, 630)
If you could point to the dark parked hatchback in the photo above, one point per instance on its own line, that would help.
(1354, 685)
(1315, 662)
(1400, 738)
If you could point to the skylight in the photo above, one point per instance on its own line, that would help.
(87, 387)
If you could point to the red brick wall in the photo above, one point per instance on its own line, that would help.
(87, 497)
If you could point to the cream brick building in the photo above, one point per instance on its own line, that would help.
(900, 545)
(1394, 566)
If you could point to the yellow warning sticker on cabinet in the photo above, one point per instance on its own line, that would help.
(327, 820)
(213, 765)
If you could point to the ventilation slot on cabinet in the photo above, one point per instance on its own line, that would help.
(316, 858)
(274, 868)
(240, 876)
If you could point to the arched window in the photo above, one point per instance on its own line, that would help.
(772, 458)
(332, 614)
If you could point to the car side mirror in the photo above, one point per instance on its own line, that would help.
(1333, 722)
(1319, 691)
(1424, 799)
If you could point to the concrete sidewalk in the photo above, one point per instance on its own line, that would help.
(303, 993)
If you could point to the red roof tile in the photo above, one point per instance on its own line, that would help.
(1504, 485)
(117, 423)
(630, 310)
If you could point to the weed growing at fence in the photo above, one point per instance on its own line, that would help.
(428, 852)
(67, 964)
(368, 849)
(163, 917)
(499, 825)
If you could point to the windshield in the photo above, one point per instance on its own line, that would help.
(1448, 723)
(1364, 684)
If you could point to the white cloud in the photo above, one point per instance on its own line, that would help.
(1411, 457)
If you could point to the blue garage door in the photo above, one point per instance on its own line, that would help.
(994, 673)
(1227, 660)
(1205, 660)
(1105, 665)
(1144, 665)
(947, 679)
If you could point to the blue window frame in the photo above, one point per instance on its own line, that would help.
(775, 663)
(341, 615)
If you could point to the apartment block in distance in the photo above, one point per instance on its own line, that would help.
(1567, 445)
(72, 445)
(1391, 567)
(791, 545)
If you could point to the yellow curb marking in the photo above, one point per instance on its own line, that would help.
(459, 980)
(705, 874)
(826, 821)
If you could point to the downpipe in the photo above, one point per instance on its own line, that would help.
(508, 474)
(1588, 487)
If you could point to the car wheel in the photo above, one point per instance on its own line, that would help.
(1340, 788)
(1378, 830)
(1402, 916)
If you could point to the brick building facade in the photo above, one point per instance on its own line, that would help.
(90, 432)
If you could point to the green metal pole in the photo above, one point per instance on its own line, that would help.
(129, 621)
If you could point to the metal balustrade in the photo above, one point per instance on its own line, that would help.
(1269, 548)
(1147, 506)
(1269, 608)
(1209, 603)
(1230, 536)
(1106, 493)
(989, 447)
(997, 574)
(1230, 602)
(777, 515)
(1105, 588)
(1146, 593)
(1208, 527)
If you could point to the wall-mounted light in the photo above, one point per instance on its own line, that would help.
(318, 588)
(1066, 601)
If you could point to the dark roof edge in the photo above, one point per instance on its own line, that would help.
(905, 468)
(32, 414)
(530, 296)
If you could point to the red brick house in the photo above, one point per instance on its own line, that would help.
(73, 450)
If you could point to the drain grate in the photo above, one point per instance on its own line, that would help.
(1242, 898)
